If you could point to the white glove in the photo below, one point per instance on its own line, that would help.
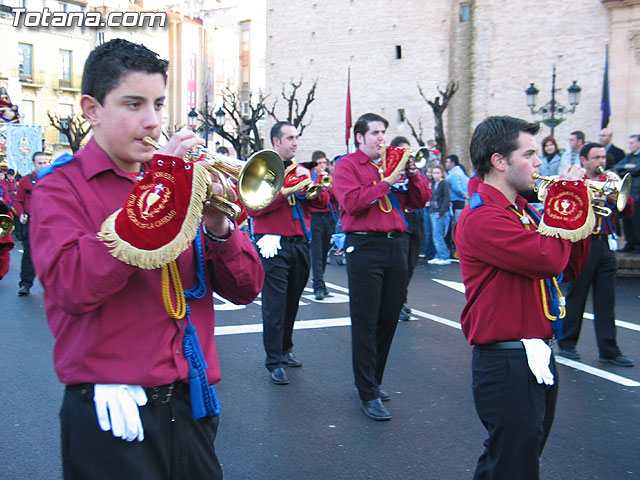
(117, 410)
(269, 245)
(539, 358)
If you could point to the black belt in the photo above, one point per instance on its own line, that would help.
(516, 345)
(293, 239)
(156, 395)
(391, 234)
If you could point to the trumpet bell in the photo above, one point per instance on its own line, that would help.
(260, 179)
(619, 189)
(420, 157)
(6, 225)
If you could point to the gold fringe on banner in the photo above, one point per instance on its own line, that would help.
(150, 259)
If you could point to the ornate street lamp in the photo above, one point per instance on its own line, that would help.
(553, 112)
(220, 118)
(192, 117)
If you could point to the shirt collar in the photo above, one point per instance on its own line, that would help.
(94, 161)
(496, 197)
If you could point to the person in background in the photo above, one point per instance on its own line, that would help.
(550, 157)
(440, 217)
(572, 155)
(323, 225)
(22, 205)
(631, 165)
(614, 154)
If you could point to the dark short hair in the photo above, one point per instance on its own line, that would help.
(276, 130)
(223, 150)
(584, 151)
(579, 135)
(108, 63)
(396, 142)
(454, 159)
(37, 154)
(11, 171)
(362, 124)
(636, 136)
(317, 155)
(497, 134)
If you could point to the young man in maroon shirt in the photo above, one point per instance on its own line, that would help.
(116, 346)
(377, 249)
(505, 266)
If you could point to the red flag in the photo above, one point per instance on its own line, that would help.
(348, 116)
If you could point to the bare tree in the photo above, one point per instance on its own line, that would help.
(171, 129)
(241, 126)
(438, 113)
(296, 110)
(417, 134)
(74, 127)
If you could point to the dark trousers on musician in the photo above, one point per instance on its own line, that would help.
(377, 274)
(175, 446)
(322, 227)
(515, 409)
(416, 239)
(285, 277)
(599, 272)
(27, 273)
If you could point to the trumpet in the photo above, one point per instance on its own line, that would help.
(6, 222)
(326, 181)
(420, 157)
(258, 179)
(615, 187)
(294, 184)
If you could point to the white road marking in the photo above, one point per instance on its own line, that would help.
(458, 286)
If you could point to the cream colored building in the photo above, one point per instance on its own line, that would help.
(493, 48)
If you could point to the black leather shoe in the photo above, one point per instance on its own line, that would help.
(24, 290)
(570, 353)
(384, 396)
(292, 360)
(406, 309)
(620, 361)
(279, 376)
(320, 295)
(375, 410)
(327, 293)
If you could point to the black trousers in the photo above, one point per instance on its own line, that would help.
(27, 273)
(599, 272)
(175, 446)
(377, 275)
(322, 227)
(416, 239)
(285, 277)
(515, 409)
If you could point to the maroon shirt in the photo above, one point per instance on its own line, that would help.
(277, 218)
(22, 202)
(502, 263)
(108, 318)
(358, 187)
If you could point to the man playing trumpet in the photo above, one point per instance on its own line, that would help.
(600, 272)
(283, 232)
(377, 248)
(121, 354)
(514, 304)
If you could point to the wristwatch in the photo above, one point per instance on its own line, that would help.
(213, 238)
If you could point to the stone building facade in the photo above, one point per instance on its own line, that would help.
(493, 48)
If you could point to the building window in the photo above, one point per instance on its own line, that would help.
(25, 61)
(401, 117)
(398, 51)
(27, 112)
(465, 12)
(65, 65)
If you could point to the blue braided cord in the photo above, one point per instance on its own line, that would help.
(298, 214)
(199, 289)
(333, 213)
(204, 400)
(395, 203)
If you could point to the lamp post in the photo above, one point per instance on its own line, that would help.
(192, 118)
(553, 112)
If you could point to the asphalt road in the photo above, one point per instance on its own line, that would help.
(313, 428)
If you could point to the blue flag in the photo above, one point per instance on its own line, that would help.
(605, 103)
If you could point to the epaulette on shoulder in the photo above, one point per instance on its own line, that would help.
(475, 201)
(58, 162)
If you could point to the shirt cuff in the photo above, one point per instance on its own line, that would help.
(213, 238)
